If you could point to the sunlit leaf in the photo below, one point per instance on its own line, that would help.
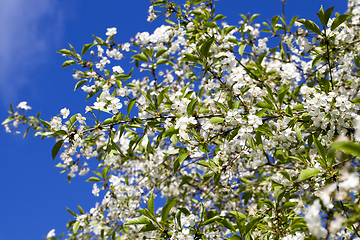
(138, 220)
(166, 209)
(349, 147)
(311, 26)
(215, 120)
(68, 63)
(308, 173)
(56, 148)
(339, 20)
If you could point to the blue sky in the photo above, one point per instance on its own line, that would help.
(34, 194)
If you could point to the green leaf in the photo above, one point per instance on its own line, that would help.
(56, 148)
(311, 26)
(258, 139)
(238, 214)
(218, 17)
(308, 173)
(225, 223)
(349, 147)
(196, 2)
(99, 40)
(268, 202)
(321, 15)
(93, 179)
(71, 212)
(264, 105)
(61, 132)
(222, 106)
(80, 83)
(68, 63)
(299, 107)
(299, 225)
(233, 40)
(282, 93)
(150, 204)
(212, 220)
(105, 171)
(72, 48)
(26, 132)
(148, 228)
(92, 93)
(138, 220)
(130, 105)
(191, 106)
(317, 59)
(141, 57)
(324, 17)
(289, 205)
(205, 48)
(207, 176)
(259, 61)
(160, 52)
(270, 93)
(7, 120)
(324, 83)
(288, 111)
(66, 52)
(339, 20)
(235, 237)
(116, 147)
(293, 20)
(184, 211)
(266, 130)
(85, 48)
(253, 17)
(161, 96)
(215, 120)
(164, 61)
(108, 121)
(286, 175)
(203, 163)
(166, 209)
(72, 120)
(45, 123)
(97, 173)
(357, 63)
(274, 21)
(171, 131)
(75, 227)
(180, 159)
(148, 98)
(241, 49)
(252, 224)
(228, 29)
(327, 15)
(147, 213)
(190, 58)
(81, 210)
(159, 2)
(319, 148)
(217, 178)
(170, 22)
(210, 25)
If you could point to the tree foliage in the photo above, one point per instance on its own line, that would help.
(248, 131)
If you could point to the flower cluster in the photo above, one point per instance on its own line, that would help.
(245, 140)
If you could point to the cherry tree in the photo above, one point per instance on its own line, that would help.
(248, 131)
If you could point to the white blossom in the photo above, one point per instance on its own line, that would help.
(51, 233)
(23, 105)
(111, 31)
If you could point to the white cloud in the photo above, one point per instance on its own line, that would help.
(28, 29)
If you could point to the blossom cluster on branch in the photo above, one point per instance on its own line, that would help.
(249, 131)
